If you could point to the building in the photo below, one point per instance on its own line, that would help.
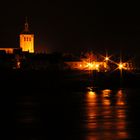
(88, 62)
(27, 39)
(26, 42)
(81, 65)
(8, 50)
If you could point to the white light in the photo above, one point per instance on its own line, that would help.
(106, 58)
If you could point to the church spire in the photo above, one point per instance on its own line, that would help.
(26, 26)
(27, 39)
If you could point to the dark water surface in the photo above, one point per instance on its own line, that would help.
(62, 114)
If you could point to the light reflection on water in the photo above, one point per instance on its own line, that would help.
(105, 115)
(102, 115)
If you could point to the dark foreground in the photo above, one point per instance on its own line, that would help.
(54, 105)
(72, 80)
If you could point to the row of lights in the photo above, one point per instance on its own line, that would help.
(120, 65)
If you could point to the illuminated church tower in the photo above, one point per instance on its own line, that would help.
(27, 40)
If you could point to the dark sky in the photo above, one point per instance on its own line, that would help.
(73, 26)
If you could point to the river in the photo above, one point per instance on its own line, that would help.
(93, 114)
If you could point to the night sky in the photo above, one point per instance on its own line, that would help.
(73, 26)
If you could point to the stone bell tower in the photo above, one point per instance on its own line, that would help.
(27, 39)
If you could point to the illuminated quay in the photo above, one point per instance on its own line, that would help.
(89, 62)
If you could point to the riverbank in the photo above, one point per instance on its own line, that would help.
(66, 80)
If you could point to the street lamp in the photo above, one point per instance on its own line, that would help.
(106, 58)
(120, 66)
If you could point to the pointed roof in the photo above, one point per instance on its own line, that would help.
(26, 27)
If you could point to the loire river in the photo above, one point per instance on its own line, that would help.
(89, 115)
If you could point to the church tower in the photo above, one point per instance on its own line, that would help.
(27, 39)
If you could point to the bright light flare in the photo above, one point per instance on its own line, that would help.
(90, 65)
(106, 58)
(97, 66)
(120, 66)
(91, 93)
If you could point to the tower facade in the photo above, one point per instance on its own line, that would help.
(27, 40)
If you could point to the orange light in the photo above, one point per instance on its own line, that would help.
(120, 98)
(91, 93)
(18, 64)
(90, 65)
(106, 102)
(27, 42)
(106, 93)
(97, 66)
(120, 66)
